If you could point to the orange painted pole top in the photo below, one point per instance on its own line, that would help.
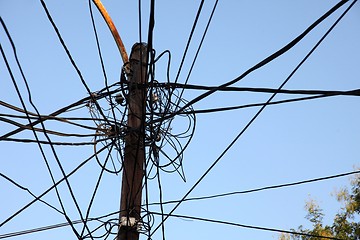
(113, 30)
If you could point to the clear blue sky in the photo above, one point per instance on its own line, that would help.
(287, 143)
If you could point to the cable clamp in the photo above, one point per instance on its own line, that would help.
(130, 222)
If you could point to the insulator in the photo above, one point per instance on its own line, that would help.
(119, 98)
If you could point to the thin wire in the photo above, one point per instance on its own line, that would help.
(24, 140)
(28, 190)
(64, 46)
(189, 40)
(262, 188)
(40, 229)
(54, 226)
(161, 205)
(183, 58)
(355, 92)
(212, 110)
(40, 119)
(248, 226)
(199, 47)
(51, 188)
(94, 193)
(47, 131)
(59, 119)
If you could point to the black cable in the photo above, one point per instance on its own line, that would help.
(107, 88)
(267, 60)
(25, 109)
(189, 40)
(40, 229)
(47, 130)
(150, 53)
(54, 226)
(222, 109)
(24, 140)
(248, 226)
(262, 188)
(103, 167)
(354, 92)
(40, 119)
(150, 73)
(64, 46)
(199, 47)
(94, 193)
(51, 188)
(72, 61)
(269, 100)
(139, 21)
(181, 65)
(28, 191)
(67, 120)
(161, 205)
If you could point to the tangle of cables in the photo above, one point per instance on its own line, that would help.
(165, 145)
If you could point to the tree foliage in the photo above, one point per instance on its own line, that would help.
(346, 224)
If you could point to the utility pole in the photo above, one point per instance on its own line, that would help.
(134, 153)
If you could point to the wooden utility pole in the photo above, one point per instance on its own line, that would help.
(134, 153)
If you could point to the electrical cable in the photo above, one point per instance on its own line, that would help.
(40, 229)
(159, 119)
(263, 107)
(262, 188)
(82, 164)
(34, 132)
(42, 119)
(150, 73)
(28, 191)
(199, 47)
(248, 226)
(354, 92)
(222, 109)
(24, 140)
(47, 130)
(72, 61)
(60, 119)
(189, 40)
(54, 226)
(113, 132)
(267, 60)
